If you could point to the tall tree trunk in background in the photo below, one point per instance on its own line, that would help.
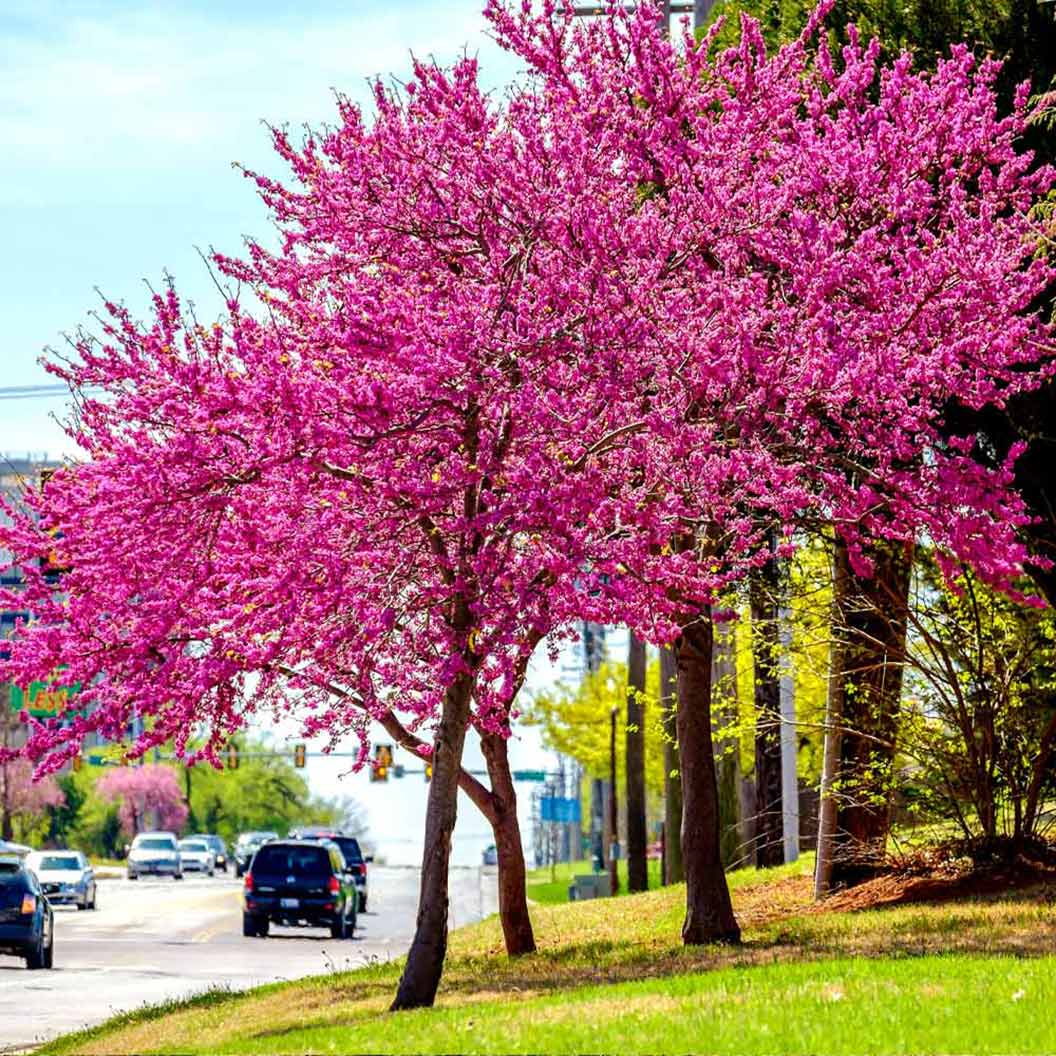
(727, 746)
(637, 864)
(709, 911)
(513, 894)
(764, 587)
(872, 618)
(674, 873)
(425, 961)
(830, 762)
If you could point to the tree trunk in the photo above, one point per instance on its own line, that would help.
(425, 961)
(674, 873)
(637, 865)
(513, 894)
(872, 615)
(769, 822)
(709, 911)
(830, 761)
(727, 747)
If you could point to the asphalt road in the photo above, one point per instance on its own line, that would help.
(153, 940)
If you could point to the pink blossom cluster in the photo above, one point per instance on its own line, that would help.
(571, 353)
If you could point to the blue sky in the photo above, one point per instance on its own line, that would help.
(119, 122)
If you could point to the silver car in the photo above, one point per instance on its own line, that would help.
(196, 856)
(155, 854)
(65, 877)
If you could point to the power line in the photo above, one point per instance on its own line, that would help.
(36, 392)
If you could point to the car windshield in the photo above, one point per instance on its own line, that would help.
(59, 861)
(292, 861)
(157, 843)
(197, 846)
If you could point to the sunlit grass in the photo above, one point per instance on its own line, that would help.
(611, 974)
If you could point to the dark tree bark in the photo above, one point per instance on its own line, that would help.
(709, 911)
(768, 828)
(872, 618)
(637, 864)
(425, 961)
(513, 894)
(674, 873)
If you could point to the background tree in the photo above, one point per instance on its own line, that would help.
(981, 714)
(148, 797)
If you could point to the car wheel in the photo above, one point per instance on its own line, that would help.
(250, 925)
(362, 903)
(35, 957)
(339, 928)
(49, 953)
(82, 905)
(91, 904)
(177, 876)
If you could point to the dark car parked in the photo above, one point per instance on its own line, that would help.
(26, 924)
(247, 845)
(299, 882)
(350, 851)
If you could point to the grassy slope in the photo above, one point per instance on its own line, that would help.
(611, 975)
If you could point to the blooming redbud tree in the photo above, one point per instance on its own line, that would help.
(148, 797)
(849, 248)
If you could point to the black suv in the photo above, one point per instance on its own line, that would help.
(355, 860)
(26, 923)
(296, 882)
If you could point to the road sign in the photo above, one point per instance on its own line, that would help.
(529, 775)
(560, 810)
(43, 700)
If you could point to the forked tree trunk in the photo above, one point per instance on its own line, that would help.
(513, 893)
(709, 911)
(637, 864)
(674, 873)
(769, 819)
(872, 615)
(425, 961)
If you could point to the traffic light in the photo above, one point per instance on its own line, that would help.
(428, 771)
(232, 757)
(382, 762)
(299, 756)
(78, 762)
(51, 565)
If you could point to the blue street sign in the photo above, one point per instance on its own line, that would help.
(560, 810)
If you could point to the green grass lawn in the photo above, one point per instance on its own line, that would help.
(550, 884)
(975, 975)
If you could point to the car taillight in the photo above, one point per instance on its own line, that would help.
(362, 868)
(335, 885)
(249, 882)
(29, 904)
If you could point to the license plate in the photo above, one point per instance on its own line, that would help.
(289, 903)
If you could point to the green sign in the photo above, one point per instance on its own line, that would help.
(44, 700)
(529, 775)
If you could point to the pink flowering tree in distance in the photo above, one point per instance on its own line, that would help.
(148, 797)
(575, 353)
(22, 799)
